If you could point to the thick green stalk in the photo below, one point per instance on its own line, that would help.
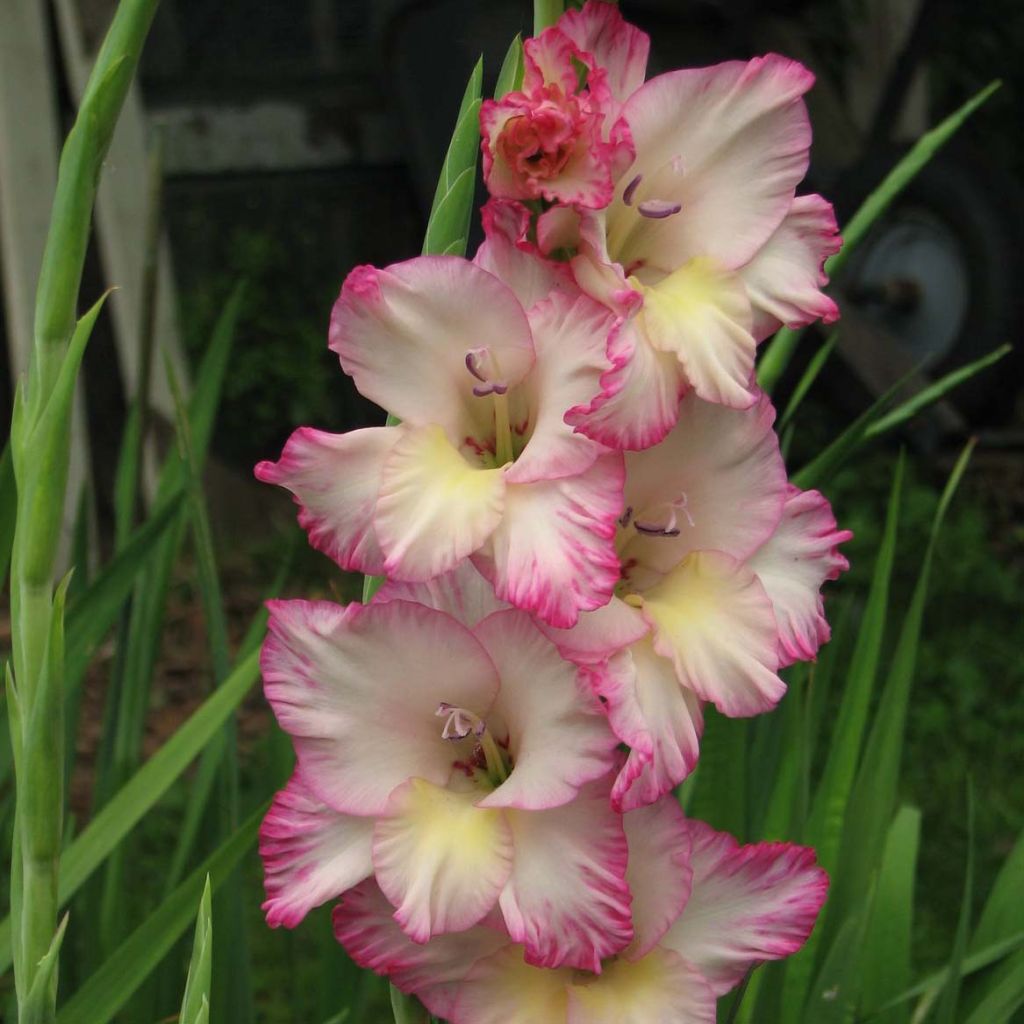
(40, 439)
(546, 13)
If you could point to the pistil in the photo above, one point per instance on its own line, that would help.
(502, 430)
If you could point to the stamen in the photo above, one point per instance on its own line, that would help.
(682, 506)
(658, 531)
(459, 724)
(474, 357)
(658, 209)
(671, 526)
(630, 190)
(489, 389)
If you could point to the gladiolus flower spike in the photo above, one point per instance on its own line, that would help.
(586, 532)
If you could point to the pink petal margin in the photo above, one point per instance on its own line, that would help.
(310, 853)
(747, 904)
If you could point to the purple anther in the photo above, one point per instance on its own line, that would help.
(656, 531)
(626, 516)
(658, 209)
(491, 388)
(630, 190)
(459, 722)
(473, 363)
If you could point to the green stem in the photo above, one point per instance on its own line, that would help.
(40, 442)
(546, 13)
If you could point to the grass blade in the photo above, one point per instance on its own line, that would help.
(972, 963)
(931, 394)
(901, 176)
(719, 794)
(946, 1011)
(407, 1009)
(830, 458)
(824, 827)
(510, 77)
(833, 994)
(873, 798)
(233, 983)
(95, 611)
(814, 367)
(448, 227)
(887, 944)
(1004, 997)
(144, 789)
(875, 421)
(779, 351)
(113, 984)
(1000, 916)
(195, 1003)
(8, 508)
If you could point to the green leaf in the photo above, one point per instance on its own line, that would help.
(448, 226)
(40, 449)
(972, 963)
(833, 994)
(901, 176)
(206, 558)
(886, 966)
(95, 611)
(37, 1008)
(946, 1011)
(112, 985)
(779, 351)
(407, 1009)
(931, 394)
(80, 163)
(510, 77)
(824, 827)
(830, 458)
(784, 777)
(719, 794)
(106, 830)
(206, 774)
(1000, 916)
(142, 628)
(233, 986)
(814, 367)
(196, 1000)
(873, 798)
(1005, 996)
(875, 421)
(8, 508)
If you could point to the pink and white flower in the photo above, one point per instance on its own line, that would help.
(705, 911)
(483, 464)
(703, 248)
(559, 138)
(467, 770)
(722, 566)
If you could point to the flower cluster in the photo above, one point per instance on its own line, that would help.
(586, 532)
